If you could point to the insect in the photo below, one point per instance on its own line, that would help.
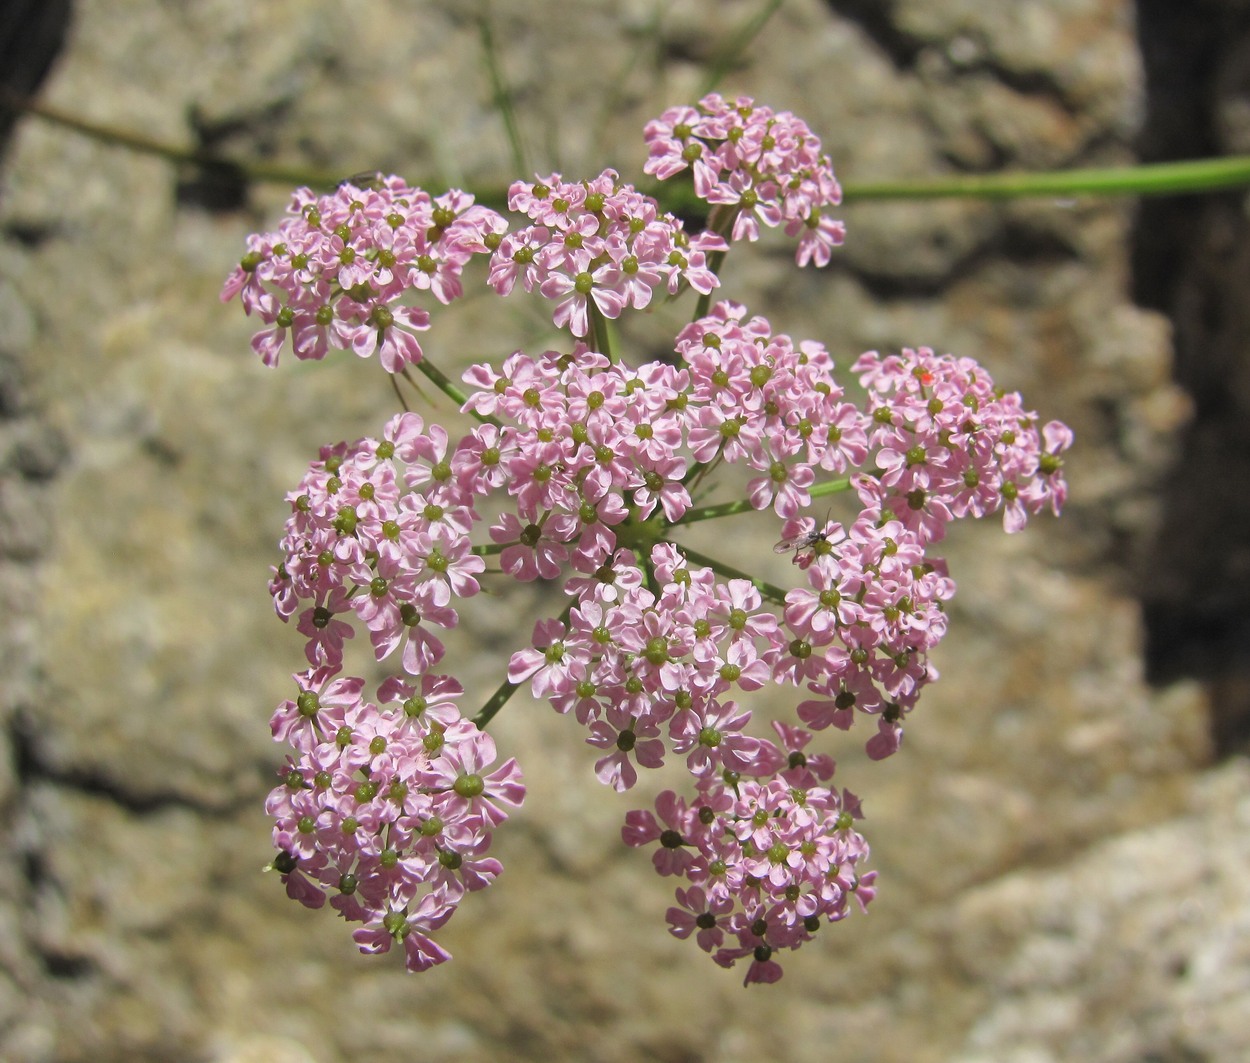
(804, 544)
(366, 179)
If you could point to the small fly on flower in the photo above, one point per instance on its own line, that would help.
(804, 543)
(366, 179)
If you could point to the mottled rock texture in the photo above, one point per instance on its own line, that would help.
(1064, 871)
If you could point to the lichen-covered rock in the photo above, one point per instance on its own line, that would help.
(135, 922)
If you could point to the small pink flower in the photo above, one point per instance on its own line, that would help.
(630, 740)
(700, 915)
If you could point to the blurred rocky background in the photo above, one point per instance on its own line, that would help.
(1064, 840)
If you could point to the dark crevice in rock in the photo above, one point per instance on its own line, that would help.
(34, 869)
(996, 159)
(31, 35)
(32, 768)
(218, 188)
(56, 962)
(28, 234)
(1011, 244)
(14, 395)
(691, 49)
(1029, 83)
(1191, 261)
(163, 451)
(1026, 245)
(223, 187)
(64, 966)
(876, 19)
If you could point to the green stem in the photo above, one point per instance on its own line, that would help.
(599, 337)
(1150, 179)
(614, 91)
(399, 394)
(145, 145)
(243, 170)
(444, 384)
(696, 473)
(721, 509)
(830, 487)
(506, 689)
(714, 262)
(741, 505)
(727, 58)
(768, 590)
(502, 94)
(496, 702)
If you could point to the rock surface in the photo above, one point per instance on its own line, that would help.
(1063, 874)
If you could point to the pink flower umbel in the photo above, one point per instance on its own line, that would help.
(336, 269)
(580, 470)
(390, 810)
(764, 166)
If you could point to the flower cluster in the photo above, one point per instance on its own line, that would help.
(379, 531)
(768, 861)
(387, 807)
(599, 243)
(591, 466)
(334, 273)
(949, 444)
(759, 165)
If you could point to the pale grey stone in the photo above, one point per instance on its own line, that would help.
(1049, 808)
